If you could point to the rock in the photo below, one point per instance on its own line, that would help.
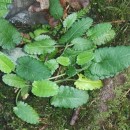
(18, 6)
(19, 13)
(107, 92)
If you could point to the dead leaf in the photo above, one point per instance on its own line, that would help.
(53, 22)
(78, 4)
(44, 4)
(63, 2)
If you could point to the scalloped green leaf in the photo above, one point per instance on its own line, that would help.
(42, 37)
(14, 81)
(9, 36)
(6, 65)
(71, 71)
(69, 97)
(108, 62)
(52, 65)
(44, 88)
(26, 113)
(56, 10)
(65, 61)
(40, 31)
(4, 7)
(87, 84)
(69, 20)
(101, 33)
(32, 69)
(77, 30)
(40, 47)
(82, 44)
(85, 57)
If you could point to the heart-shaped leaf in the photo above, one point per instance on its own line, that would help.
(109, 61)
(32, 69)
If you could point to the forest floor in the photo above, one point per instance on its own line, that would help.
(117, 117)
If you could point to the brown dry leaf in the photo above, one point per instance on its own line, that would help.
(63, 2)
(53, 22)
(44, 4)
(78, 4)
(25, 35)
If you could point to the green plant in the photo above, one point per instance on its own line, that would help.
(49, 67)
(56, 9)
(4, 7)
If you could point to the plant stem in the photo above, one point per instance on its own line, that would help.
(16, 100)
(59, 46)
(68, 45)
(57, 76)
(84, 68)
(58, 81)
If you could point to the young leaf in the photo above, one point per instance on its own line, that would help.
(14, 81)
(70, 19)
(85, 57)
(69, 97)
(26, 113)
(77, 30)
(40, 47)
(44, 88)
(9, 36)
(56, 9)
(6, 65)
(87, 84)
(41, 37)
(40, 31)
(101, 33)
(82, 44)
(32, 69)
(81, 13)
(109, 61)
(65, 61)
(71, 54)
(71, 71)
(52, 65)
(25, 91)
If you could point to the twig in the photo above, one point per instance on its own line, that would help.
(44, 127)
(75, 116)
(126, 93)
(118, 21)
